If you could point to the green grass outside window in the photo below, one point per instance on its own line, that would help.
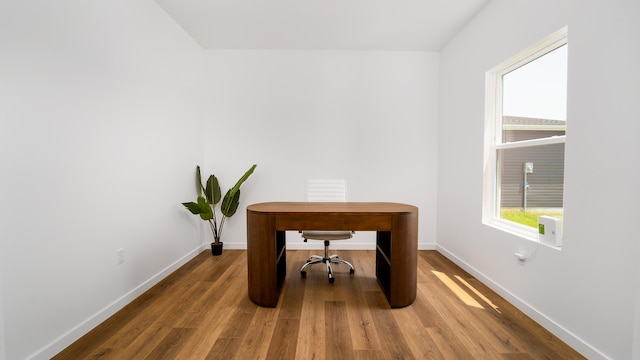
(529, 217)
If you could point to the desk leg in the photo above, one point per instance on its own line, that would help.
(262, 260)
(404, 260)
(397, 260)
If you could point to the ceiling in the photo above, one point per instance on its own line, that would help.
(414, 25)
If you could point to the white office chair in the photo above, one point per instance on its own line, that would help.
(326, 190)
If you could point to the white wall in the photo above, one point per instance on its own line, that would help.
(3, 353)
(101, 107)
(101, 130)
(584, 293)
(368, 117)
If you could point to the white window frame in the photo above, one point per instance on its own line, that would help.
(493, 133)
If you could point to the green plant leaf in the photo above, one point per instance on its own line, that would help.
(201, 208)
(206, 216)
(193, 207)
(232, 197)
(199, 186)
(244, 178)
(230, 203)
(213, 190)
(206, 212)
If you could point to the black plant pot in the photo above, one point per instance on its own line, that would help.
(216, 249)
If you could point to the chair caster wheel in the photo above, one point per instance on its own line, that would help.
(351, 271)
(303, 274)
(331, 280)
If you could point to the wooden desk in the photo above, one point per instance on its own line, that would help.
(396, 243)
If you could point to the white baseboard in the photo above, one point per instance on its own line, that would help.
(83, 328)
(568, 337)
(427, 246)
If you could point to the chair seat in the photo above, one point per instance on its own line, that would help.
(327, 235)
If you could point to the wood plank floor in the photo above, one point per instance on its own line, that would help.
(202, 311)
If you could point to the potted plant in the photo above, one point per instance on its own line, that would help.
(205, 206)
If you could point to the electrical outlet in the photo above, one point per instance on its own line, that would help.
(120, 253)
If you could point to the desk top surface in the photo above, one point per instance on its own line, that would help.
(343, 208)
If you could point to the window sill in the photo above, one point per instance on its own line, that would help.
(521, 231)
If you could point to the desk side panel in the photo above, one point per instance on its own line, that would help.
(404, 260)
(261, 259)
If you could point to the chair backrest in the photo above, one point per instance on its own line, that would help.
(326, 190)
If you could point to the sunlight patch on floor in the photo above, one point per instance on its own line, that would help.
(456, 289)
(475, 291)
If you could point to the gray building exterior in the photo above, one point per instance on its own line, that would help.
(546, 182)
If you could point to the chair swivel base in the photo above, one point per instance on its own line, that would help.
(327, 260)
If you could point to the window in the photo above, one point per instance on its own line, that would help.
(525, 131)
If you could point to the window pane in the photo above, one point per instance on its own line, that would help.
(534, 97)
(531, 182)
